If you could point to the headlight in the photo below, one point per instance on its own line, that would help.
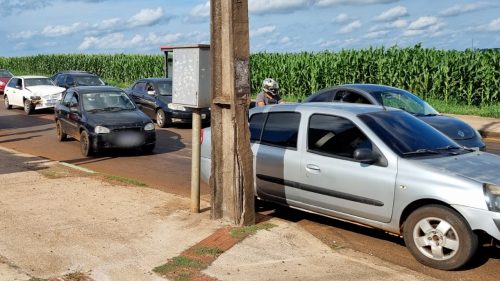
(149, 127)
(492, 196)
(176, 107)
(101, 130)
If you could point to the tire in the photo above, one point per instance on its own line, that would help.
(6, 102)
(85, 144)
(439, 237)
(61, 135)
(148, 148)
(28, 107)
(161, 118)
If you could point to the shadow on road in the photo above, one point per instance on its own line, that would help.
(14, 163)
(21, 121)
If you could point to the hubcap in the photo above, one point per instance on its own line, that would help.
(159, 118)
(435, 238)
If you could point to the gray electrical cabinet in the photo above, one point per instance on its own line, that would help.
(190, 75)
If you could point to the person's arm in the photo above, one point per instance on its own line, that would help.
(261, 103)
(259, 100)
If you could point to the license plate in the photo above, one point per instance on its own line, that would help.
(129, 139)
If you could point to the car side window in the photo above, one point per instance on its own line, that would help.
(256, 126)
(69, 80)
(67, 99)
(60, 79)
(74, 101)
(325, 97)
(139, 87)
(281, 129)
(335, 136)
(19, 84)
(12, 83)
(350, 97)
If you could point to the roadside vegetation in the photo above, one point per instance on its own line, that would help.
(460, 82)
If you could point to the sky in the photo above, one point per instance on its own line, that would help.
(31, 27)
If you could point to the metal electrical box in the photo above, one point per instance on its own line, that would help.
(190, 75)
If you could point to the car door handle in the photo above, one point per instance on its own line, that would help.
(313, 168)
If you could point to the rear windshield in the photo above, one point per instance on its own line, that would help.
(5, 73)
(30, 82)
(88, 81)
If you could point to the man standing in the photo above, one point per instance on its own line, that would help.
(269, 94)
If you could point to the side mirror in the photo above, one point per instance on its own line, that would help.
(365, 155)
(151, 93)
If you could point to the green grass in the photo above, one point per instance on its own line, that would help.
(212, 251)
(176, 263)
(124, 180)
(456, 108)
(184, 276)
(242, 232)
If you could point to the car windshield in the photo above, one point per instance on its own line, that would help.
(30, 82)
(5, 73)
(106, 101)
(88, 81)
(406, 135)
(165, 88)
(404, 100)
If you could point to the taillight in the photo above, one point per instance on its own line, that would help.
(201, 136)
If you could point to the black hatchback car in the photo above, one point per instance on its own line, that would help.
(155, 97)
(103, 117)
(456, 129)
(73, 78)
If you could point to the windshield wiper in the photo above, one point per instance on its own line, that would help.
(113, 108)
(421, 151)
(449, 147)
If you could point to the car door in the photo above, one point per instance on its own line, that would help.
(18, 93)
(69, 120)
(10, 90)
(332, 180)
(277, 159)
(148, 100)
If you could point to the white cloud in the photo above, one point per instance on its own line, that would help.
(327, 43)
(466, 8)
(202, 10)
(352, 2)
(146, 17)
(494, 25)
(341, 18)
(23, 35)
(393, 14)
(262, 30)
(376, 34)
(118, 41)
(62, 30)
(109, 24)
(276, 6)
(423, 22)
(398, 24)
(350, 27)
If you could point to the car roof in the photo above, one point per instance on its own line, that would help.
(155, 79)
(29, 76)
(92, 89)
(365, 87)
(345, 109)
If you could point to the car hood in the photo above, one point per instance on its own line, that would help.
(45, 90)
(452, 127)
(479, 166)
(125, 118)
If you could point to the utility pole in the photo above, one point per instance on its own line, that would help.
(231, 182)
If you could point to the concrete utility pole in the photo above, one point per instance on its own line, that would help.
(232, 180)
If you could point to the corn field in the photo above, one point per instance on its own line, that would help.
(466, 77)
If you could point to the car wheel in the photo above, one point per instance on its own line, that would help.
(161, 118)
(148, 148)
(61, 135)
(439, 237)
(6, 102)
(85, 145)
(28, 107)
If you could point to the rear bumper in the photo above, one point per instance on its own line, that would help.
(187, 116)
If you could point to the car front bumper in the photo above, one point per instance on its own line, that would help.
(187, 116)
(123, 139)
(484, 220)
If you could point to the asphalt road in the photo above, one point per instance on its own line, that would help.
(168, 169)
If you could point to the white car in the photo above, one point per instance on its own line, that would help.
(31, 93)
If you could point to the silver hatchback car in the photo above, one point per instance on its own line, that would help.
(377, 166)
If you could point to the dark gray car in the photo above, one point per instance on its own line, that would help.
(454, 128)
(377, 166)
